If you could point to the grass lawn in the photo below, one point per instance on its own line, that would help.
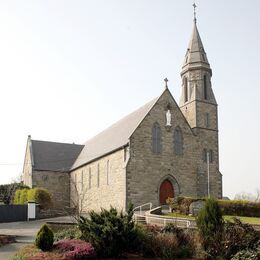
(249, 220)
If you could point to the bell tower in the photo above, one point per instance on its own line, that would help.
(199, 106)
(198, 102)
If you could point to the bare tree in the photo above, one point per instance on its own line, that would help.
(248, 196)
(257, 198)
(78, 199)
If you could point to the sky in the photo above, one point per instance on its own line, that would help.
(69, 69)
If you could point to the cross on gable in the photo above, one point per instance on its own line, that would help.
(166, 82)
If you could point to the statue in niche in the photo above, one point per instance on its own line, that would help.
(168, 118)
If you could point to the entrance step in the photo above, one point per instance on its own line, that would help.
(140, 219)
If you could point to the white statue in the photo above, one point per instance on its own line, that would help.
(168, 118)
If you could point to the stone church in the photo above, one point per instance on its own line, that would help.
(160, 150)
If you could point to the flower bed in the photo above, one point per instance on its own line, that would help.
(68, 249)
(75, 249)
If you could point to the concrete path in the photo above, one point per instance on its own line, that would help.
(25, 233)
(8, 251)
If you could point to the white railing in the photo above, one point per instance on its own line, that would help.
(157, 219)
(139, 208)
(163, 221)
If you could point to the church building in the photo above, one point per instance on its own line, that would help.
(160, 150)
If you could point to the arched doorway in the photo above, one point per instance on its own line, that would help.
(166, 191)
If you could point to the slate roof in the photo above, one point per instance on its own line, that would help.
(114, 137)
(52, 156)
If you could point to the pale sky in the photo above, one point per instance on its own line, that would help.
(69, 69)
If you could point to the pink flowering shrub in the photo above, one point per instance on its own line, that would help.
(75, 249)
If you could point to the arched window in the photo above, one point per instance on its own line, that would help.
(178, 141)
(207, 153)
(89, 178)
(156, 139)
(206, 119)
(98, 173)
(205, 87)
(107, 170)
(185, 89)
(82, 184)
(210, 156)
(204, 155)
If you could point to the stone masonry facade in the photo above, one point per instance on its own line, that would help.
(187, 172)
(100, 184)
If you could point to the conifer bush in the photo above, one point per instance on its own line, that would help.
(21, 196)
(110, 232)
(44, 239)
(17, 197)
(210, 224)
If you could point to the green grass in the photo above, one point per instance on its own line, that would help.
(249, 220)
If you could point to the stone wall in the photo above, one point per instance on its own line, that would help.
(146, 170)
(58, 184)
(100, 184)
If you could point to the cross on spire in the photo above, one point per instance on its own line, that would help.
(194, 7)
(166, 82)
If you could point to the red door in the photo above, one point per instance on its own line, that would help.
(166, 191)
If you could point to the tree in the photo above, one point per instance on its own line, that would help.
(248, 196)
(77, 200)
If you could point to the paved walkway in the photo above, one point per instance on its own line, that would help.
(8, 251)
(24, 232)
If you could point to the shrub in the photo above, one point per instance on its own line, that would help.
(249, 254)
(42, 197)
(181, 204)
(167, 243)
(144, 242)
(68, 233)
(17, 197)
(228, 207)
(38, 195)
(7, 192)
(240, 208)
(44, 238)
(110, 232)
(75, 249)
(21, 196)
(238, 236)
(210, 225)
(185, 246)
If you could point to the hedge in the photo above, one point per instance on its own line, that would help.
(228, 207)
(7, 191)
(20, 196)
(240, 208)
(39, 195)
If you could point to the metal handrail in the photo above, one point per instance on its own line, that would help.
(170, 220)
(141, 206)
